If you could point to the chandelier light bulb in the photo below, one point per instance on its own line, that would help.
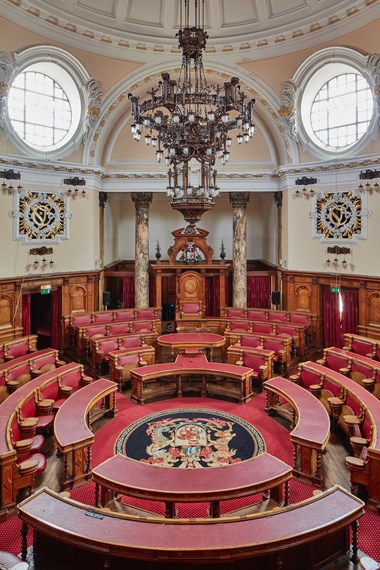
(191, 119)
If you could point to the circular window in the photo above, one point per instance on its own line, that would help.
(44, 108)
(39, 110)
(336, 111)
(341, 111)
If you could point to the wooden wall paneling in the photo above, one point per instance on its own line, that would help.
(369, 310)
(10, 311)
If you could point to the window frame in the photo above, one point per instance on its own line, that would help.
(311, 76)
(72, 77)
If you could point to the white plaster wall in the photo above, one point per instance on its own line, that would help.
(78, 253)
(261, 233)
(303, 253)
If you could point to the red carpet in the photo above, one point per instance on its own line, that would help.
(277, 443)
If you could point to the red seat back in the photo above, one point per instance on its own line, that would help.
(124, 315)
(103, 317)
(106, 346)
(256, 315)
(331, 387)
(273, 344)
(253, 361)
(277, 317)
(142, 325)
(147, 313)
(235, 314)
(265, 328)
(72, 378)
(363, 369)
(309, 377)
(249, 341)
(13, 373)
(128, 359)
(80, 320)
(18, 349)
(336, 361)
(50, 391)
(100, 330)
(28, 408)
(299, 319)
(131, 342)
(239, 325)
(361, 346)
(286, 329)
(353, 404)
(119, 328)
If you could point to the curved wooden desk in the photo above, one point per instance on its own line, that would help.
(153, 381)
(181, 341)
(296, 537)
(311, 431)
(370, 477)
(72, 433)
(125, 476)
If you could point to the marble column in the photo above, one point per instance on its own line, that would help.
(142, 201)
(239, 201)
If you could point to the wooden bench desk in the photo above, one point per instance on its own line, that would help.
(9, 472)
(310, 423)
(296, 537)
(181, 341)
(153, 381)
(72, 432)
(369, 473)
(126, 476)
(348, 363)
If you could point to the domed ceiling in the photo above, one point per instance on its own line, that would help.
(130, 28)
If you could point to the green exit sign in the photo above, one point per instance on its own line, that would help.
(335, 289)
(45, 289)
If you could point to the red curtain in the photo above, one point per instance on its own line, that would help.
(336, 324)
(212, 296)
(331, 319)
(350, 317)
(258, 291)
(55, 317)
(26, 325)
(128, 292)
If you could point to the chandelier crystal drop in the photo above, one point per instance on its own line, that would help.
(189, 121)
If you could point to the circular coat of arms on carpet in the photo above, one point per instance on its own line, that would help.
(190, 438)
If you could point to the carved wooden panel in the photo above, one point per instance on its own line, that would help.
(374, 308)
(78, 300)
(6, 310)
(303, 297)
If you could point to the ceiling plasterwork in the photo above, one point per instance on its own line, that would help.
(258, 28)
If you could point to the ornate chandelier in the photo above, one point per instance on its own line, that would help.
(189, 120)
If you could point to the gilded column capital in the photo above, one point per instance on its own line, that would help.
(142, 198)
(239, 199)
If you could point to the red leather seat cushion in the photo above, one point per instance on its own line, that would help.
(41, 461)
(38, 442)
(44, 423)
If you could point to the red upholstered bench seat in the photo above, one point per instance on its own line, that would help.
(124, 316)
(239, 326)
(145, 314)
(235, 314)
(277, 317)
(257, 315)
(252, 341)
(35, 457)
(142, 326)
(119, 328)
(265, 328)
(102, 317)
